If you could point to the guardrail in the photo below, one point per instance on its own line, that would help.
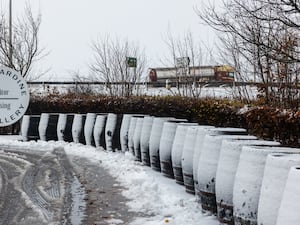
(172, 83)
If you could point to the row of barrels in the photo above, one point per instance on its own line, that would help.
(240, 179)
(89, 129)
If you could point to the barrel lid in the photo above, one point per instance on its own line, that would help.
(228, 131)
(174, 120)
(252, 142)
(285, 155)
(270, 149)
(91, 114)
(138, 115)
(232, 136)
(188, 124)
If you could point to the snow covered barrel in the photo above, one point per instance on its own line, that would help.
(165, 146)
(99, 131)
(29, 127)
(51, 132)
(202, 131)
(124, 132)
(275, 176)
(110, 130)
(77, 128)
(61, 124)
(227, 166)
(154, 142)
(131, 130)
(89, 128)
(177, 148)
(43, 126)
(64, 127)
(24, 127)
(207, 165)
(145, 137)
(48, 126)
(288, 213)
(248, 181)
(137, 139)
(187, 159)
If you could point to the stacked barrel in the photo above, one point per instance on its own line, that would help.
(235, 176)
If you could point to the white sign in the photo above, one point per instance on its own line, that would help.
(183, 62)
(14, 96)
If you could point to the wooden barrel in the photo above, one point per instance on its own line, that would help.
(137, 139)
(207, 168)
(110, 130)
(227, 166)
(99, 131)
(187, 159)
(176, 152)
(145, 137)
(77, 128)
(51, 133)
(248, 181)
(202, 131)
(131, 130)
(64, 127)
(61, 125)
(43, 126)
(48, 126)
(154, 141)
(165, 146)
(288, 213)
(29, 127)
(89, 128)
(124, 132)
(273, 184)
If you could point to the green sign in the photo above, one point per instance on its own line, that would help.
(131, 62)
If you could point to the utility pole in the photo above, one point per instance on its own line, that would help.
(10, 35)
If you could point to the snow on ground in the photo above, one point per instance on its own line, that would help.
(160, 199)
(203, 92)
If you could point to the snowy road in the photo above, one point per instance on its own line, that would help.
(49, 187)
(61, 183)
(36, 188)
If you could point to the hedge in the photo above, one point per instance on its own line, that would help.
(275, 124)
(208, 111)
(265, 122)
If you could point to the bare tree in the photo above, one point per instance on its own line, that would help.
(184, 47)
(82, 85)
(26, 49)
(110, 64)
(230, 53)
(266, 35)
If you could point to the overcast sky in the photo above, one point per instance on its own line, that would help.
(69, 26)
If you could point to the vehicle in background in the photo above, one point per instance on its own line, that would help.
(221, 73)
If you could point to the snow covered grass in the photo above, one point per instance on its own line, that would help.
(203, 92)
(159, 199)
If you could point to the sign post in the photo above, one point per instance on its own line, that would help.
(183, 62)
(14, 96)
(131, 62)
